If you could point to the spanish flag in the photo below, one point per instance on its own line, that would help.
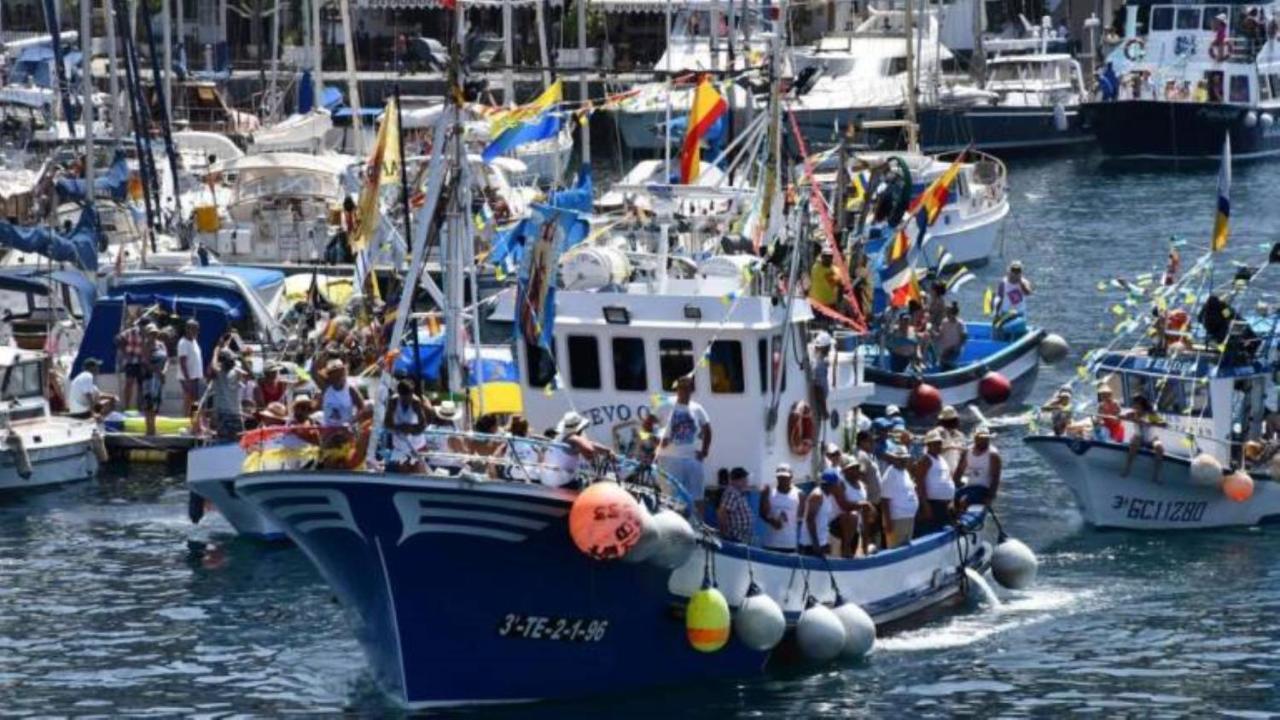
(898, 276)
(1221, 221)
(708, 107)
(383, 166)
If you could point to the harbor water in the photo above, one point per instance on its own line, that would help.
(110, 604)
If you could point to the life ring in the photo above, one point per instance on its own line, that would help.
(1135, 49)
(1219, 50)
(800, 429)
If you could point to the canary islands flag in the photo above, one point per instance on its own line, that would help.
(1221, 221)
(708, 107)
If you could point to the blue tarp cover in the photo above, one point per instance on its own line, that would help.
(113, 183)
(80, 247)
(214, 316)
(256, 278)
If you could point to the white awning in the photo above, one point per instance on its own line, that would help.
(437, 4)
(660, 6)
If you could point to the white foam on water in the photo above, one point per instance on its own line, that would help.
(1019, 610)
(986, 595)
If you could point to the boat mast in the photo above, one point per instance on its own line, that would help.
(317, 54)
(86, 89)
(666, 131)
(275, 57)
(582, 80)
(113, 80)
(913, 144)
(166, 34)
(509, 56)
(353, 86)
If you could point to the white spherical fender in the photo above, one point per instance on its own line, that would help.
(1267, 119)
(1206, 471)
(1014, 565)
(819, 633)
(678, 539)
(759, 623)
(859, 630)
(1053, 348)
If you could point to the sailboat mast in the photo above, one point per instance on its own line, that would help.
(353, 86)
(113, 78)
(582, 78)
(508, 56)
(86, 102)
(317, 54)
(912, 140)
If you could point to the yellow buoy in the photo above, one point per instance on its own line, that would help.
(706, 620)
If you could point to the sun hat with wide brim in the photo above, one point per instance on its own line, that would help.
(571, 423)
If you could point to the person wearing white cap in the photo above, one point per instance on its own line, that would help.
(686, 441)
(899, 497)
(820, 379)
(824, 279)
(1012, 292)
(832, 456)
(939, 488)
(979, 471)
(781, 507)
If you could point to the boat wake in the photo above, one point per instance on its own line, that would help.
(1017, 611)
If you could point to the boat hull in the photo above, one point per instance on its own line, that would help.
(1018, 363)
(999, 129)
(211, 474)
(1158, 130)
(472, 592)
(53, 463)
(1092, 471)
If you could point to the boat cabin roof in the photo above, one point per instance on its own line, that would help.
(10, 356)
(1188, 365)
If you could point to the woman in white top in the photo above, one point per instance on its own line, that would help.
(939, 489)
(979, 469)
(781, 508)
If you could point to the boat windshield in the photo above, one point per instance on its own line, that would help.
(255, 186)
(24, 380)
(1056, 71)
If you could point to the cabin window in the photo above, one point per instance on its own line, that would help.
(584, 362)
(895, 66)
(675, 360)
(1197, 392)
(1161, 18)
(1211, 12)
(1239, 89)
(23, 380)
(630, 371)
(725, 360)
(540, 365)
(1188, 18)
(1169, 396)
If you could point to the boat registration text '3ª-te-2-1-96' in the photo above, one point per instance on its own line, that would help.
(1188, 511)
(542, 627)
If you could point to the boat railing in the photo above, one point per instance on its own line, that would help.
(449, 452)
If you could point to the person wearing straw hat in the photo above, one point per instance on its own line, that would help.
(1106, 423)
(939, 488)
(573, 450)
(979, 471)
(953, 438)
(155, 362)
(899, 498)
(824, 279)
(686, 441)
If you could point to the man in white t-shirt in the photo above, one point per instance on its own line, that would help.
(84, 399)
(191, 368)
(899, 499)
(686, 440)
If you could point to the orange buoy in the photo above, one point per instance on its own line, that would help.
(1238, 486)
(605, 521)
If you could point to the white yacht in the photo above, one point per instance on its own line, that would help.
(36, 447)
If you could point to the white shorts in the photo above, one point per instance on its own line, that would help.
(687, 472)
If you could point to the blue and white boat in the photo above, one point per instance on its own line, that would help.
(1205, 454)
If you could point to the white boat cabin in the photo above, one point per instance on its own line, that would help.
(618, 354)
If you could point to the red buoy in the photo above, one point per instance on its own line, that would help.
(924, 400)
(994, 388)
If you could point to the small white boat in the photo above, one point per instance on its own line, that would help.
(36, 448)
